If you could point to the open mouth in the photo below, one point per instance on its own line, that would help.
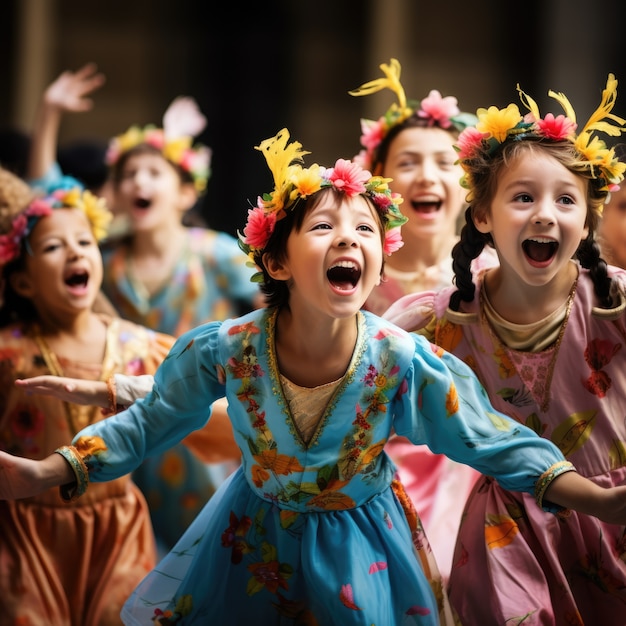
(142, 203)
(78, 278)
(426, 207)
(540, 249)
(344, 275)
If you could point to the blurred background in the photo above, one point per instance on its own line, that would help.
(256, 69)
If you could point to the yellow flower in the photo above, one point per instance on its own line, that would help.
(378, 184)
(306, 181)
(174, 150)
(97, 213)
(498, 122)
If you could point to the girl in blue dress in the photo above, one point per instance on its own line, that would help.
(312, 529)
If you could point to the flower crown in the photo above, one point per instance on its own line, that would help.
(434, 109)
(22, 225)
(292, 183)
(181, 123)
(499, 126)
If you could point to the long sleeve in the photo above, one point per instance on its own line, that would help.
(185, 386)
(455, 417)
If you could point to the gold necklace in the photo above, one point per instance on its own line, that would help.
(72, 411)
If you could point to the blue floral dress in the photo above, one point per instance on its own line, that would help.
(316, 532)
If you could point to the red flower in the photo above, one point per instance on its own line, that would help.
(556, 128)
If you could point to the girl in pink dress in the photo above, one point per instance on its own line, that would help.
(544, 331)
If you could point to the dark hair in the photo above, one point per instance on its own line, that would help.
(13, 307)
(277, 291)
(483, 176)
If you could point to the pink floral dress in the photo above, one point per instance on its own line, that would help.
(514, 564)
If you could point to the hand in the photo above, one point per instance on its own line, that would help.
(75, 390)
(68, 92)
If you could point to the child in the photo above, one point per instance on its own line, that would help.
(612, 228)
(64, 563)
(544, 332)
(169, 277)
(312, 528)
(413, 144)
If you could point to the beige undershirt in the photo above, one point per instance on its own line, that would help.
(307, 404)
(533, 337)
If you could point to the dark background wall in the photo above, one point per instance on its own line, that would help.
(255, 69)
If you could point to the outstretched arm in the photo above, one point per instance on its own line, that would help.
(67, 93)
(212, 444)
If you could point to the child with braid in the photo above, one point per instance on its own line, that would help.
(545, 332)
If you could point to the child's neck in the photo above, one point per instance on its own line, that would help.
(312, 354)
(520, 303)
(82, 338)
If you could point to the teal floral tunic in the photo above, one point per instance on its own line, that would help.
(315, 533)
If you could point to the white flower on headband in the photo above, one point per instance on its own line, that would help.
(182, 118)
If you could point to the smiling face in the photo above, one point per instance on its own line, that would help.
(62, 271)
(334, 259)
(150, 191)
(537, 218)
(421, 162)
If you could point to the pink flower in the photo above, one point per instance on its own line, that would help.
(470, 142)
(259, 227)
(348, 176)
(438, 110)
(38, 207)
(393, 241)
(373, 133)
(9, 248)
(556, 128)
(155, 137)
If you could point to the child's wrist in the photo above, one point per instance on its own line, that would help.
(72, 490)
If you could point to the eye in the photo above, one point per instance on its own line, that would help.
(51, 247)
(567, 200)
(86, 241)
(365, 228)
(321, 226)
(523, 197)
(446, 164)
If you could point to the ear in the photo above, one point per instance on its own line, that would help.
(188, 196)
(21, 284)
(482, 222)
(275, 268)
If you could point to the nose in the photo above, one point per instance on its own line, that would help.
(74, 250)
(346, 239)
(426, 171)
(544, 213)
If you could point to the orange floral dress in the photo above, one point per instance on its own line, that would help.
(69, 564)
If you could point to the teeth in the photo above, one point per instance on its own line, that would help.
(541, 239)
(345, 264)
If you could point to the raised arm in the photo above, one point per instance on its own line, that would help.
(68, 93)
